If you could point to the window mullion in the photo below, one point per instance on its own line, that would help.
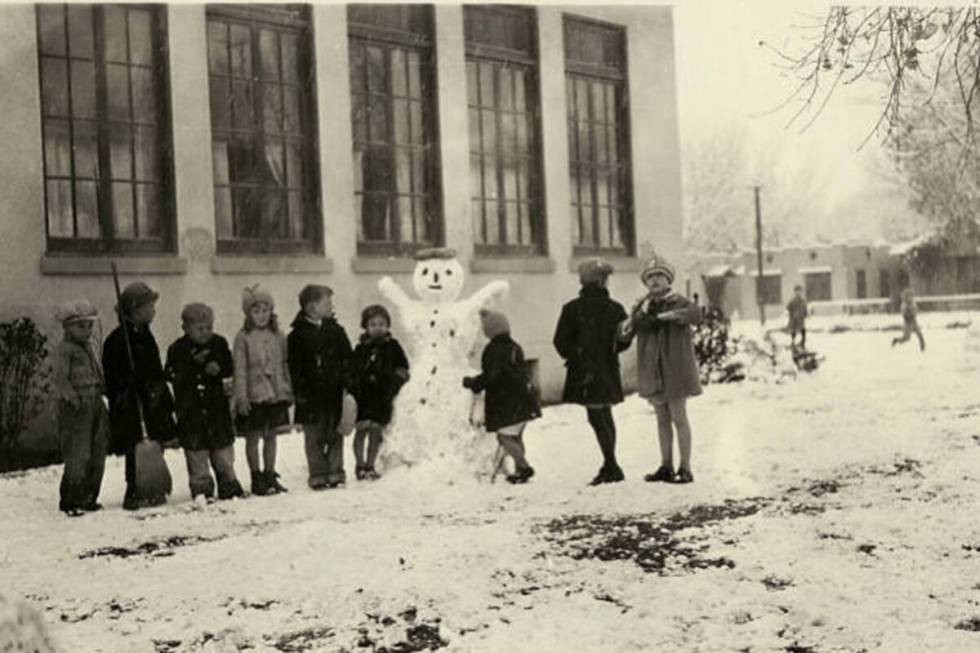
(258, 124)
(104, 193)
(498, 157)
(406, 70)
(132, 130)
(394, 205)
(71, 128)
(482, 152)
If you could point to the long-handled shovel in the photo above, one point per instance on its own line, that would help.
(153, 483)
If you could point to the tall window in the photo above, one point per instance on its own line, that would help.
(769, 288)
(505, 168)
(884, 283)
(862, 284)
(598, 137)
(393, 120)
(263, 129)
(105, 117)
(817, 286)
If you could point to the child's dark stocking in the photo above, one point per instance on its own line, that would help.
(678, 415)
(515, 449)
(375, 437)
(269, 457)
(605, 431)
(360, 439)
(665, 435)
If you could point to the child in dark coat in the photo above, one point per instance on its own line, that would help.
(199, 367)
(588, 338)
(667, 369)
(379, 368)
(143, 386)
(319, 364)
(797, 310)
(510, 399)
(910, 322)
(83, 423)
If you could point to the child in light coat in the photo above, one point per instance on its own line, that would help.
(262, 388)
(83, 421)
(667, 369)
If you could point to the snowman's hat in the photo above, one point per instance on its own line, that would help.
(435, 253)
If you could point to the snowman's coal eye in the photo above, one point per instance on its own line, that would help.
(449, 273)
(425, 272)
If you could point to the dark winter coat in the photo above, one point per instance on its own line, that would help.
(587, 338)
(510, 397)
(666, 366)
(379, 368)
(203, 413)
(123, 388)
(797, 310)
(319, 367)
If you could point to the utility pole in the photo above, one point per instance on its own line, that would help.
(758, 250)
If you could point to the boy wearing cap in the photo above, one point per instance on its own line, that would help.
(667, 371)
(797, 310)
(319, 364)
(199, 367)
(143, 382)
(588, 338)
(83, 424)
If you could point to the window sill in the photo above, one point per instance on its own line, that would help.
(619, 263)
(101, 265)
(382, 265)
(271, 264)
(504, 264)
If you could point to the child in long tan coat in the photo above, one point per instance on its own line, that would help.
(667, 369)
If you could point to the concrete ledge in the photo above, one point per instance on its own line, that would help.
(271, 265)
(619, 263)
(527, 265)
(101, 265)
(382, 265)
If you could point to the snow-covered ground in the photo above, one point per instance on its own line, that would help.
(836, 513)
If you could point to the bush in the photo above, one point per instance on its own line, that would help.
(23, 384)
(714, 348)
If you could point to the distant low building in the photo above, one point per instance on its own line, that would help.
(944, 262)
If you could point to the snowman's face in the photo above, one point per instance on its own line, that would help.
(438, 280)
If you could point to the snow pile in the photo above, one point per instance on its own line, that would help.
(22, 628)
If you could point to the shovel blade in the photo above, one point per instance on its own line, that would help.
(153, 481)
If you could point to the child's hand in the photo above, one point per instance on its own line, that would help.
(213, 368)
(201, 356)
(468, 382)
(243, 407)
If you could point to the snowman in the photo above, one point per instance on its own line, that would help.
(436, 421)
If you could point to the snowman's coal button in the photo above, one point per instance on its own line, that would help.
(452, 333)
(432, 323)
(434, 368)
(422, 401)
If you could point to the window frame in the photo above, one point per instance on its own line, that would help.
(278, 19)
(107, 242)
(424, 44)
(861, 283)
(499, 57)
(761, 292)
(818, 281)
(578, 70)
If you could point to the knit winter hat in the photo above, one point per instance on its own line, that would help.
(494, 323)
(79, 310)
(135, 295)
(197, 313)
(657, 265)
(254, 295)
(594, 270)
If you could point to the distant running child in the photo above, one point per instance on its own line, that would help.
(910, 322)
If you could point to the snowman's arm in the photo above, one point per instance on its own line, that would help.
(495, 290)
(393, 293)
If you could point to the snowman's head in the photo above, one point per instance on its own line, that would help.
(438, 275)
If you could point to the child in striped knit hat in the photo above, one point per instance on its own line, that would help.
(667, 370)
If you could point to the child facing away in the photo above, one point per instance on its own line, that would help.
(83, 422)
(262, 388)
(139, 390)
(319, 362)
(587, 337)
(510, 399)
(797, 310)
(199, 366)
(379, 368)
(667, 371)
(910, 322)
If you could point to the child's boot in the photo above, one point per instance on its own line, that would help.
(274, 483)
(684, 475)
(260, 484)
(663, 475)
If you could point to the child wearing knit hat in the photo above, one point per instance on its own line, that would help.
(667, 369)
(262, 389)
(83, 423)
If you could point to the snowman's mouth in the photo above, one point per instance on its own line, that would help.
(435, 286)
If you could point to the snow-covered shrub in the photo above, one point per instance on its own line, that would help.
(23, 381)
(714, 348)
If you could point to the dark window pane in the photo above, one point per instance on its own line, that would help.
(520, 100)
(117, 78)
(375, 70)
(123, 223)
(220, 103)
(217, 48)
(148, 211)
(472, 84)
(291, 109)
(222, 212)
(403, 171)
(54, 87)
(115, 33)
(86, 149)
(402, 18)
(241, 51)
(275, 162)
(399, 74)
(297, 221)
(269, 54)
(414, 75)
(241, 161)
(402, 127)
(140, 37)
(290, 57)
(506, 81)
(294, 165)
(489, 122)
(220, 156)
(359, 118)
(51, 25)
(357, 69)
(487, 94)
(493, 222)
(474, 125)
(60, 223)
(82, 89)
(86, 210)
(272, 108)
(378, 119)
(144, 95)
(80, 39)
(120, 153)
(242, 105)
(418, 126)
(147, 153)
(57, 148)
